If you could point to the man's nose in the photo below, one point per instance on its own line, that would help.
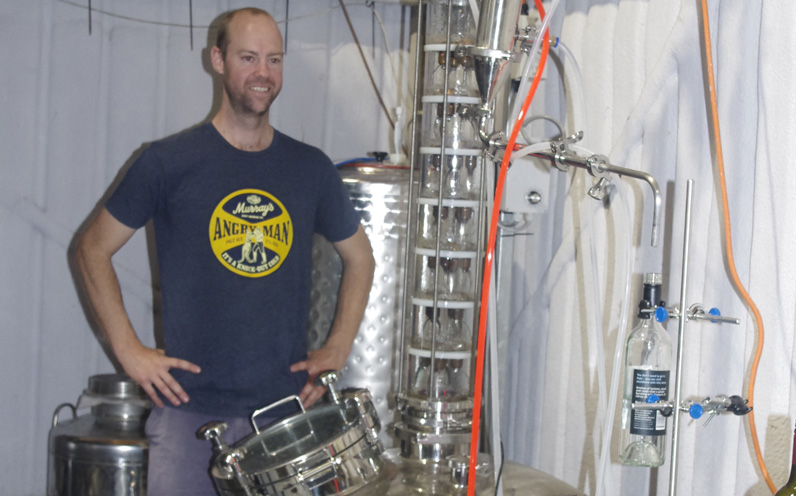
(262, 68)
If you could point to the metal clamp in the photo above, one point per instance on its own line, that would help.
(559, 148)
(273, 405)
(718, 404)
(697, 312)
(594, 165)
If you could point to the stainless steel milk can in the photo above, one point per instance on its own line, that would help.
(104, 452)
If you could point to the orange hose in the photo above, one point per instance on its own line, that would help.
(728, 245)
(490, 252)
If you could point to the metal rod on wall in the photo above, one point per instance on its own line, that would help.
(681, 335)
(190, 21)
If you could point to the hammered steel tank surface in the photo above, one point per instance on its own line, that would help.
(380, 195)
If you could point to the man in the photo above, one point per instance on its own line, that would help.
(234, 328)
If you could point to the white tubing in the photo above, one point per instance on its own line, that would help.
(596, 329)
(575, 79)
(543, 146)
(525, 81)
(597, 338)
(604, 478)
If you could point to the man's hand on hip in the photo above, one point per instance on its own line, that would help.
(150, 367)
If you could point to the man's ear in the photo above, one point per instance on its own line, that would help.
(217, 59)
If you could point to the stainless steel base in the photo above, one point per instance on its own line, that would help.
(401, 477)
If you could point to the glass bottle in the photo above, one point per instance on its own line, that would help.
(465, 229)
(438, 75)
(456, 333)
(428, 330)
(648, 358)
(789, 489)
(440, 381)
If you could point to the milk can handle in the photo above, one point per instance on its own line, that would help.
(58, 410)
(275, 404)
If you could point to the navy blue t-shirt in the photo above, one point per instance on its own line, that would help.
(233, 231)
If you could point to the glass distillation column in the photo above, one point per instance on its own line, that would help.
(435, 398)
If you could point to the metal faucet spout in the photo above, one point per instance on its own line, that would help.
(598, 166)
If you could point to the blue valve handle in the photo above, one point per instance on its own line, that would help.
(715, 312)
(653, 398)
(696, 411)
(661, 314)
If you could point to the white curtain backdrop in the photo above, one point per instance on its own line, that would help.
(77, 107)
(646, 108)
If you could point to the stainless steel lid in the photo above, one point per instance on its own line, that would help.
(293, 437)
(116, 386)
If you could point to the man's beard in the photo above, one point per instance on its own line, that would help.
(242, 103)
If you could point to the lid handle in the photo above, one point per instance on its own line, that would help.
(212, 432)
(327, 379)
(273, 405)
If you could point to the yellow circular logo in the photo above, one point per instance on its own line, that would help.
(251, 233)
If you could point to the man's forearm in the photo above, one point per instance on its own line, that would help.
(352, 296)
(104, 294)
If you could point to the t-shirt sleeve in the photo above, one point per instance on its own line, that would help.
(140, 193)
(335, 218)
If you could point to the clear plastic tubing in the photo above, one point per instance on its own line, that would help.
(604, 480)
(607, 430)
(537, 42)
(603, 475)
(578, 98)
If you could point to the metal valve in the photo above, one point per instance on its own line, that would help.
(327, 379)
(212, 432)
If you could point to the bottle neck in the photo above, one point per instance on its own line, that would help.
(651, 299)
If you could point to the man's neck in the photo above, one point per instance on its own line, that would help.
(251, 135)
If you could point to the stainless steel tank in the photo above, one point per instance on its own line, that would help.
(379, 193)
(104, 452)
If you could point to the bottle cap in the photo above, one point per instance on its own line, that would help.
(653, 278)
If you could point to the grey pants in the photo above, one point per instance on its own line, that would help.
(179, 464)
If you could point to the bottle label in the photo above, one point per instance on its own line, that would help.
(645, 383)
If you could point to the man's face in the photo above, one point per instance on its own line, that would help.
(251, 70)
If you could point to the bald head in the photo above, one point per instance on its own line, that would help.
(223, 35)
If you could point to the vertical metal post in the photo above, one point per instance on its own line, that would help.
(681, 334)
(408, 249)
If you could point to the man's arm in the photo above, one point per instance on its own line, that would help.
(148, 367)
(352, 297)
